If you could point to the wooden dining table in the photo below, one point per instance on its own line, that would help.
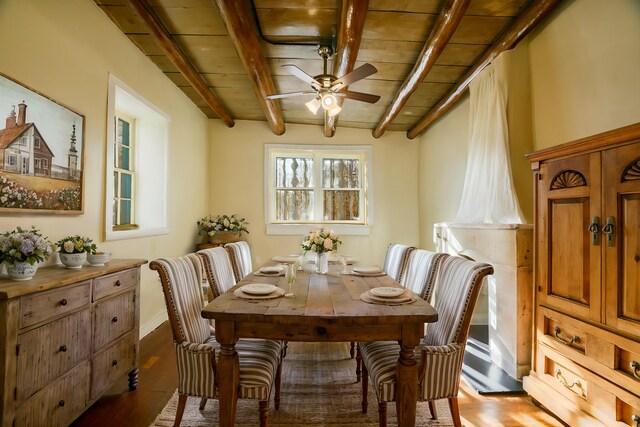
(325, 307)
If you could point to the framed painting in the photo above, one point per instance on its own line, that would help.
(41, 153)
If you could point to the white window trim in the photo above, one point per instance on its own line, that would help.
(142, 231)
(302, 228)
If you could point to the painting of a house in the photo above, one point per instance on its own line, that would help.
(40, 152)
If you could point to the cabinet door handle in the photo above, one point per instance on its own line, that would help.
(610, 229)
(63, 348)
(63, 302)
(574, 338)
(594, 229)
(562, 381)
(61, 403)
(115, 319)
(114, 363)
(635, 366)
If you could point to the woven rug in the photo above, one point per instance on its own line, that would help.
(319, 388)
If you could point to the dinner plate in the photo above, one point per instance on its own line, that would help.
(271, 269)
(386, 292)
(258, 289)
(286, 259)
(367, 270)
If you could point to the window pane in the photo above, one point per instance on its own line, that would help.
(294, 205)
(294, 172)
(342, 205)
(125, 212)
(122, 157)
(123, 132)
(116, 184)
(340, 173)
(125, 187)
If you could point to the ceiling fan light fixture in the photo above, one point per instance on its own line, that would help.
(335, 110)
(329, 101)
(313, 105)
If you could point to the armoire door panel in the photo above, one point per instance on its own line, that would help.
(622, 260)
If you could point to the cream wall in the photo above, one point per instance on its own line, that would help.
(237, 162)
(66, 49)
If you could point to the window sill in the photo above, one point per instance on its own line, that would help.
(301, 229)
(132, 234)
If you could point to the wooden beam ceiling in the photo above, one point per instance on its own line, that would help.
(162, 37)
(445, 26)
(239, 19)
(536, 11)
(350, 29)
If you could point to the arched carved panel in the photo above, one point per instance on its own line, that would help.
(632, 171)
(568, 179)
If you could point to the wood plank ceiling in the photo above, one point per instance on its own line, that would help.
(227, 55)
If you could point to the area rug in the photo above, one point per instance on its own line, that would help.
(319, 388)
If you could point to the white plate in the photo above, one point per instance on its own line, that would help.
(271, 270)
(285, 259)
(367, 270)
(258, 289)
(386, 292)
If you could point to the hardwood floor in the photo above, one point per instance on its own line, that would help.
(158, 380)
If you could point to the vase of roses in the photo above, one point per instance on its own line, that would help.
(22, 251)
(221, 229)
(73, 250)
(321, 242)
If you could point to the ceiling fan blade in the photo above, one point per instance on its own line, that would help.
(359, 73)
(302, 75)
(359, 96)
(286, 95)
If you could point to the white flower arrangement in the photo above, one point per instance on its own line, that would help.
(76, 244)
(24, 246)
(319, 241)
(209, 225)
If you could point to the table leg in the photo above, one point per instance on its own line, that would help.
(228, 373)
(407, 379)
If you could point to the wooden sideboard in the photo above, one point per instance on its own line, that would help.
(66, 336)
(587, 265)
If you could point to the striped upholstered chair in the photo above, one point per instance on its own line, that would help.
(440, 354)
(420, 276)
(240, 255)
(196, 347)
(395, 260)
(218, 270)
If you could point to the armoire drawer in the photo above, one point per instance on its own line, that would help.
(47, 305)
(112, 362)
(50, 350)
(114, 283)
(59, 403)
(610, 355)
(112, 318)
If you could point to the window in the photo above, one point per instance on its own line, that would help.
(12, 159)
(136, 180)
(316, 186)
(36, 142)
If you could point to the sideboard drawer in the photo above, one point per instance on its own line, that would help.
(113, 283)
(112, 318)
(49, 351)
(42, 306)
(112, 362)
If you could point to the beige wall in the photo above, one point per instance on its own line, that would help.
(66, 49)
(237, 162)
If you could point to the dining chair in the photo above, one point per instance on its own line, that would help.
(240, 255)
(420, 276)
(197, 349)
(439, 356)
(218, 270)
(395, 260)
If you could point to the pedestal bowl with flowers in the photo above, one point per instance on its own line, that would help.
(73, 250)
(221, 229)
(321, 242)
(22, 251)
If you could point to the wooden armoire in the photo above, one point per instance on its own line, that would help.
(586, 351)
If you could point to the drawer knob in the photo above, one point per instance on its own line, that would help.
(562, 381)
(61, 403)
(574, 338)
(114, 363)
(63, 348)
(635, 366)
(63, 302)
(115, 319)
(118, 283)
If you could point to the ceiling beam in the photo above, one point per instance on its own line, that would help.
(527, 20)
(162, 37)
(351, 20)
(443, 29)
(241, 26)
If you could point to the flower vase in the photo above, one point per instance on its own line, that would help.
(322, 262)
(222, 237)
(21, 270)
(74, 260)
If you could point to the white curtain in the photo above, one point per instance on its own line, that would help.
(488, 195)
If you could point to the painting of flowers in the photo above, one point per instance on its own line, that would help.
(41, 151)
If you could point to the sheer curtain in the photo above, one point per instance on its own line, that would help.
(488, 195)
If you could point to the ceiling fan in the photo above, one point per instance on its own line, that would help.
(326, 88)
